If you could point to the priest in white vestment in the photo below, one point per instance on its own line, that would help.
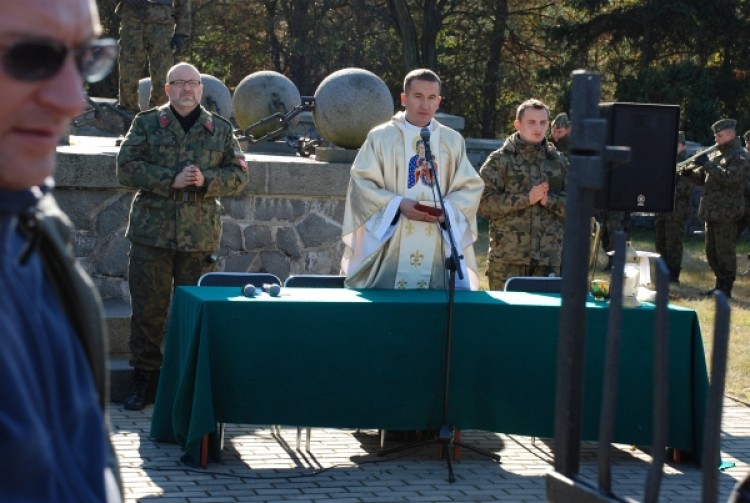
(390, 243)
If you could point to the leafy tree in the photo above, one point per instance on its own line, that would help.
(491, 54)
(664, 51)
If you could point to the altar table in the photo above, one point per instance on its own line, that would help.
(375, 359)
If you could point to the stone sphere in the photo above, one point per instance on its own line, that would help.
(348, 103)
(261, 94)
(216, 96)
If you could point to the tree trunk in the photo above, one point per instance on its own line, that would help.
(273, 40)
(432, 22)
(491, 83)
(299, 24)
(408, 31)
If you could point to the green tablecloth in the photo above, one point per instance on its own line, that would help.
(375, 359)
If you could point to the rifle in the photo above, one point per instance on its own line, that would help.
(682, 166)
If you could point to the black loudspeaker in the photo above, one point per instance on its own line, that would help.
(646, 183)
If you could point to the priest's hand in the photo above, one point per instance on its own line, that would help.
(407, 209)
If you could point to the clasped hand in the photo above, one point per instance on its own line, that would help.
(190, 175)
(538, 194)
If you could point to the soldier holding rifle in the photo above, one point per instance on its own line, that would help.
(723, 174)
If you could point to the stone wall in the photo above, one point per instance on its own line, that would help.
(288, 221)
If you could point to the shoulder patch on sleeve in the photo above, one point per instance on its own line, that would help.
(241, 160)
(164, 118)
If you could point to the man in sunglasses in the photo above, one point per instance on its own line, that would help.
(150, 30)
(181, 158)
(55, 441)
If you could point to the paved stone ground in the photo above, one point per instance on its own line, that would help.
(343, 467)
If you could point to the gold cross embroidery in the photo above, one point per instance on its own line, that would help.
(416, 258)
(401, 284)
(409, 229)
(429, 231)
(422, 284)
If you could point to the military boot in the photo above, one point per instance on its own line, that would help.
(674, 275)
(709, 293)
(726, 286)
(143, 389)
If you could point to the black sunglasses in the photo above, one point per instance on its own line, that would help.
(35, 60)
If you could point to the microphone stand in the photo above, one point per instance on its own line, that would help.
(452, 263)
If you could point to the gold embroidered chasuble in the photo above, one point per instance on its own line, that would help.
(382, 251)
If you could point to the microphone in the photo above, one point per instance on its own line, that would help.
(248, 290)
(425, 134)
(272, 289)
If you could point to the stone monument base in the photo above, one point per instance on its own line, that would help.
(338, 155)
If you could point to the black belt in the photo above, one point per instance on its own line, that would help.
(187, 196)
(160, 2)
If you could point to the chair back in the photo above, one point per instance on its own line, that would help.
(238, 279)
(315, 281)
(535, 284)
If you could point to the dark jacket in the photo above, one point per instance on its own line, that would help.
(62, 341)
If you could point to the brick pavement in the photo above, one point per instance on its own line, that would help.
(343, 467)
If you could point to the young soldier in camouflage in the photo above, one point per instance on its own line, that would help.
(181, 158)
(524, 200)
(670, 226)
(723, 175)
(149, 32)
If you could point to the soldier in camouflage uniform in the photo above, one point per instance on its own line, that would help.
(560, 133)
(670, 226)
(149, 32)
(723, 174)
(744, 222)
(524, 200)
(181, 158)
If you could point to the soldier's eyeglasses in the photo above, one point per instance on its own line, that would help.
(181, 83)
(36, 60)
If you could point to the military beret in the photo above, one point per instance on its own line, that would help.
(681, 137)
(560, 121)
(723, 124)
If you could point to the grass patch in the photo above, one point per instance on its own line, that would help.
(695, 277)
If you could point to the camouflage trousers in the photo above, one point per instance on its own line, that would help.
(152, 275)
(144, 44)
(721, 249)
(499, 272)
(669, 238)
(744, 222)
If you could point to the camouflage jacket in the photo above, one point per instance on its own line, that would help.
(153, 152)
(562, 146)
(519, 231)
(171, 12)
(683, 194)
(724, 177)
